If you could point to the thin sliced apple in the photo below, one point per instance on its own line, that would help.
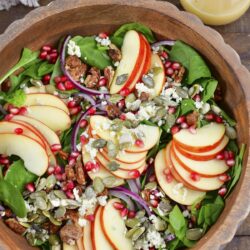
(133, 54)
(48, 134)
(99, 240)
(159, 73)
(35, 90)
(205, 156)
(56, 119)
(181, 195)
(30, 151)
(210, 168)
(205, 138)
(147, 62)
(86, 239)
(45, 99)
(113, 226)
(69, 247)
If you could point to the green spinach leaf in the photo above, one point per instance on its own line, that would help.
(209, 86)
(56, 71)
(191, 60)
(187, 105)
(16, 98)
(45, 68)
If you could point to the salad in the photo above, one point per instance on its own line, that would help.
(114, 141)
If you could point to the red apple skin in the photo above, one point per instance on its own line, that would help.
(147, 63)
(198, 149)
(92, 230)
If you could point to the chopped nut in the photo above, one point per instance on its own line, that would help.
(178, 74)
(75, 67)
(70, 173)
(104, 192)
(109, 74)
(113, 111)
(72, 215)
(92, 79)
(114, 53)
(80, 177)
(192, 118)
(146, 194)
(50, 227)
(15, 226)
(70, 233)
(143, 96)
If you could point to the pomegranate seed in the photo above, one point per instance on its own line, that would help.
(70, 185)
(50, 170)
(74, 154)
(89, 217)
(231, 155)
(124, 212)
(197, 98)
(30, 187)
(18, 131)
(222, 191)
(152, 178)
(220, 156)
(75, 110)
(164, 54)
(209, 117)
(96, 167)
(131, 214)
(46, 78)
(169, 71)
(43, 55)
(23, 111)
(61, 86)
(54, 51)
(175, 66)
(55, 147)
(64, 78)
(194, 176)
(171, 110)
(83, 123)
(83, 139)
(139, 143)
(168, 64)
(192, 130)
(121, 104)
(4, 161)
(134, 173)
(46, 48)
(154, 203)
(181, 119)
(224, 177)
(226, 155)
(91, 111)
(174, 130)
(8, 117)
(72, 161)
(70, 194)
(184, 125)
(69, 85)
(230, 162)
(58, 177)
(102, 81)
(103, 35)
(125, 92)
(71, 104)
(218, 119)
(89, 166)
(123, 117)
(64, 177)
(169, 178)
(14, 111)
(57, 79)
(58, 170)
(53, 55)
(118, 205)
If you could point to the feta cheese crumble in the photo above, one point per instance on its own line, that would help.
(73, 49)
(141, 87)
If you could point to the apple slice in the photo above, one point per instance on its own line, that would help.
(208, 168)
(174, 189)
(159, 73)
(35, 90)
(56, 119)
(147, 63)
(30, 151)
(48, 134)
(86, 239)
(205, 156)
(113, 226)
(133, 54)
(45, 99)
(99, 240)
(205, 138)
(68, 247)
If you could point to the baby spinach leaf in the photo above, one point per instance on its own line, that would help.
(16, 98)
(232, 146)
(27, 57)
(191, 60)
(18, 176)
(118, 36)
(56, 71)
(90, 52)
(173, 244)
(45, 68)
(12, 197)
(209, 86)
(187, 105)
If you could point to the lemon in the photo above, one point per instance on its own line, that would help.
(217, 12)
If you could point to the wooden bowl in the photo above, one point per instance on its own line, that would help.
(47, 24)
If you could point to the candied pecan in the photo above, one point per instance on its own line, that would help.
(104, 192)
(178, 74)
(80, 176)
(192, 118)
(113, 111)
(75, 67)
(70, 173)
(72, 215)
(114, 53)
(92, 78)
(50, 227)
(109, 74)
(79, 189)
(5, 86)
(146, 194)
(70, 233)
(15, 226)
(143, 95)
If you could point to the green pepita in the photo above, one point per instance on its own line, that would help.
(41, 184)
(148, 81)
(160, 225)
(54, 240)
(41, 193)
(51, 181)
(132, 222)
(112, 149)
(36, 83)
(130, 98)
(98, 185)
(140, 214)
(130, 232)
(161, 112)
(116, 125)
(40, 203)
(24, 224)
(60, 212)
(194, 233)
(165, 206)
(109, 181)
(60, 194)
(138, 233)
(121, 79)
(195, 89)
(205, 108)
(99, 143)
(216, 109)
(170, 120)
(89, 193)
(113, 166)
(231, 132)
(115, 98)
(181, 92)
(151, 185)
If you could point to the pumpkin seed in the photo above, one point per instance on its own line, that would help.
(151, 185)
(50, 89)
(89, 193)
(54, 240)
(195, 89)
(194, 233)
(161, 112)
(99, 143)
(216, 109)
(98, 185)
(32, 217)
(231, 132)
(138, 233)
(132, 222)
(51, 181)
(40, 219)
(148, 81)
(112, 149)
(170, 120)
(41, 184)
(41, 193)
(40, 203)
(128, 124)
(160, 225)
(130, 232)
(116, 125)
(36, 83)
(165, 206)
(205, 108)
(115, 98)
(156, 70)
(113, 165)
(54, 221)
(181, 92)
(109, 181)
(60, 212)
(60, 194)
(140, 214)
(121, 79)
(24, 224)
(159, 100)
(130, 98)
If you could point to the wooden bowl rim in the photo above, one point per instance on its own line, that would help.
(218, 238)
